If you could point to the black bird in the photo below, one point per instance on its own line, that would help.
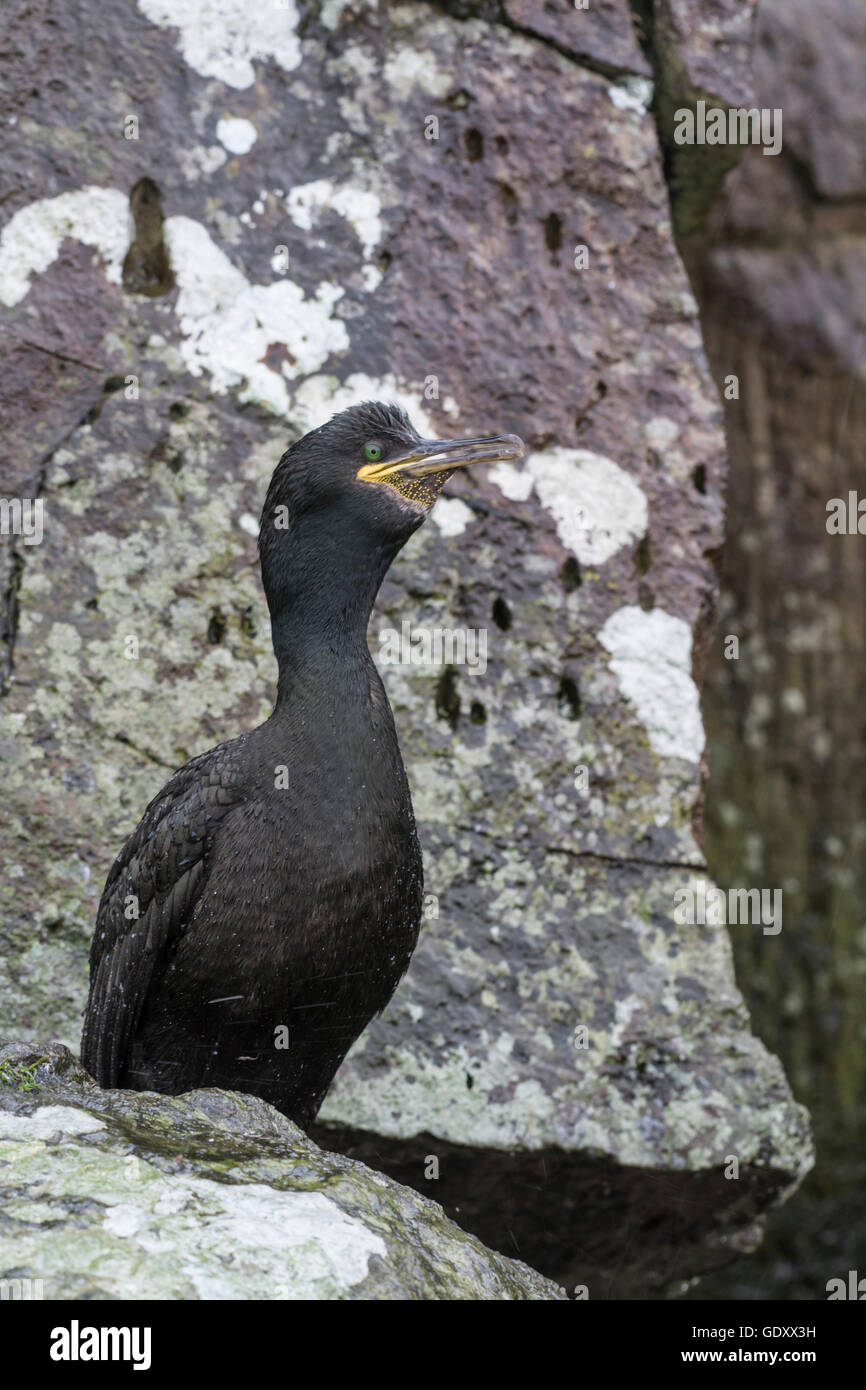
(269, 901)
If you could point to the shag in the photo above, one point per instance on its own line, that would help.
(269, 901)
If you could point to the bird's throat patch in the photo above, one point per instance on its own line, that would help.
(422, 490)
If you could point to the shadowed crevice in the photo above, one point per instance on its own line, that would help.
(624, 1232)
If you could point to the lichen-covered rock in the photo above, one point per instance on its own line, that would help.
(108, 1194)
(226, 234)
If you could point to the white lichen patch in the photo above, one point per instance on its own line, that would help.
(661, 431)
(237, 134)
(223, 38)
(512, 482)
(98, 217)
(320, 397)
(200, 161)
(651, 659)
(228, 324)
(331, 1247)
(452, 516)
(360, 208)
(408, 69)
(47, 1121)
(793, 701)
(356, 69)
(302, 1231)
(631, 94)
(124, 1220)
(371, 276)
(598, 507)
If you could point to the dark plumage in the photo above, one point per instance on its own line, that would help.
(277, 878)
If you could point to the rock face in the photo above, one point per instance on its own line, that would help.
(226, 233)
(779, 267)
(109, 1194)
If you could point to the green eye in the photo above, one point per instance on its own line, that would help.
(372, 452)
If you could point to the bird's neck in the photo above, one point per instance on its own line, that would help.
(320, 598)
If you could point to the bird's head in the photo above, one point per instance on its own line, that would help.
(368, 467)
(347, 496)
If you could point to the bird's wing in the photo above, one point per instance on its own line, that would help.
(149, 896)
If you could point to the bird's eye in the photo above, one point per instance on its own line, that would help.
(372, 452)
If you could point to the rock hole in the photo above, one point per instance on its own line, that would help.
(509, 202)
(477, 712)
(501, 614)
(166, 451)
(448, 697)
(570, 576)
(501, 144)
(553, 232)
(146, 267)
(643, 556)
(584, 413)
(216, 627)
(699, 478)
(568, 698)
(474, 142)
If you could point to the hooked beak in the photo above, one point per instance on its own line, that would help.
(444, 455)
